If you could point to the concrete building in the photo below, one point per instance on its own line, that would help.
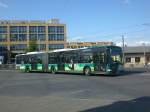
(15, 35)
(87, 44)
(137, 56)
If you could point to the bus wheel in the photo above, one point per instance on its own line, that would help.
(27, 70)
(53, 70)
(87, 71)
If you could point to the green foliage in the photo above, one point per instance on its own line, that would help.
(32, 47)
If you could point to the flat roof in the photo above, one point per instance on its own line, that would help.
(137, 49)
(51, 21)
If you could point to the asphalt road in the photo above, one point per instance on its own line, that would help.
(44, 92)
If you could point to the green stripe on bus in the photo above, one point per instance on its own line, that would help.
(39, 67)
(78, 67)
(54, 65)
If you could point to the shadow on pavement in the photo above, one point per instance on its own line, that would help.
(127, 71)
(141, 104)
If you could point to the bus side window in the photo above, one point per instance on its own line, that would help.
(22, 62)
(90, 59)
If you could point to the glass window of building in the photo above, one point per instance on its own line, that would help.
(22, 29)
(60, 37)
(3, 37)
(41, 37)
(12, 47)
(52, 37)
(13, 29)
(3, 29)
(128, 59)
(18, 47)
(60, 29)
(41, 29)
(33, 29)
(3, 48)
(13, 37)
(33, 37)
(22, 37)
(42, 46)
(137, 59)
(51, 29)
(56, 46)
(21, 47)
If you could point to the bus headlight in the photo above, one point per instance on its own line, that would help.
(109, 70)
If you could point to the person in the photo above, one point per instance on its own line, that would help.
(91, 59)
(71, 65)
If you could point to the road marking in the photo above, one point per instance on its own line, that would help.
(7, 70)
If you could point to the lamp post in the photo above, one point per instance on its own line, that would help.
(144, 52)
(123, 48)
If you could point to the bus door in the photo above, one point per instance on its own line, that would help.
(33, 63)
(99, 61)
(61, 62)
(35, 60)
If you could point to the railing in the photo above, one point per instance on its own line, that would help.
(7, 67)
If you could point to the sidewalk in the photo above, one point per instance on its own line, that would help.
(7, 67)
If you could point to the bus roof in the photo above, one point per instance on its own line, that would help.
(60, 50)
(35, 52)
(69, 49)
(20, 54)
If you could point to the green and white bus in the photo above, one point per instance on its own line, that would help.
(92, 60)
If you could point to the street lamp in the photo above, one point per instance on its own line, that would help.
(144, 53)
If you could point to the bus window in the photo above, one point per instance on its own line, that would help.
(116, 56)
(99, 57)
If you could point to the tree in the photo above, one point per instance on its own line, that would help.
(32, 46)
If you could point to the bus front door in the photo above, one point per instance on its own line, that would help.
(99, 61)
(61, 63)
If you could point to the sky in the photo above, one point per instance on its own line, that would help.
(88, 20)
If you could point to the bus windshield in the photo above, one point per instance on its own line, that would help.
(116, 55)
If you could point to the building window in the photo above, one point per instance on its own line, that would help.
(18, 47)
(41, 37)
(22, 37)
(52, 37)
(3, 48)
(60, 37)
(51, 29)
(21, 46)
(137, 59)
(42, 46)
(13, 37)
(128, 60)
(60, 29)
(56, 46)
(3, 37)
(33, 29)
(33, 37)
(13, 29)
(3, 29)
(41, 29)
(22, 29)
(148, 58)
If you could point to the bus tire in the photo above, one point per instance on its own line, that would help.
(87, 71)
(27, 70)
(53, 70)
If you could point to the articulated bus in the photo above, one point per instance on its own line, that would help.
(92, 60)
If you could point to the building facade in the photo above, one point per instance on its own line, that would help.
(17, 35)
(138, 56)
(87, 44)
